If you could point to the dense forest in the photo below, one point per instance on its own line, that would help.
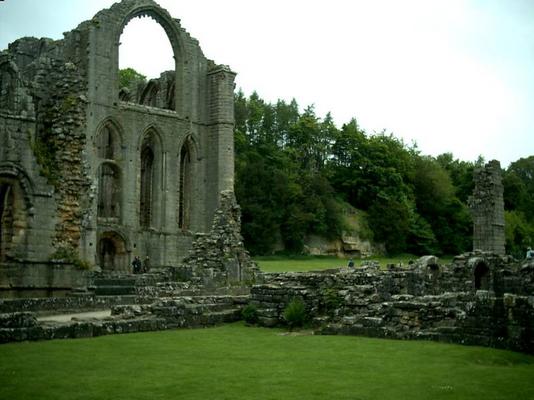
(296, 172)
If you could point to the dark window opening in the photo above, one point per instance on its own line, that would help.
(108, 143)
(109, 190)
(7, 217)
(147, 177)
(184, 196)
(482, 277)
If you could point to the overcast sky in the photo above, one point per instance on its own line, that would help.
(452, 76)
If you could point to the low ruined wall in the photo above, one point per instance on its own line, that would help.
(15, 278)
(436, 303)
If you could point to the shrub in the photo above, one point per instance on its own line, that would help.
(69, 255)
(295, 313)
(331, 299)
(250, 314)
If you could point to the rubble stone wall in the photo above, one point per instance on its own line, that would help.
(487, 207)
(428, 301)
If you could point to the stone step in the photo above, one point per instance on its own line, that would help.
(115, 282)
(114, 290)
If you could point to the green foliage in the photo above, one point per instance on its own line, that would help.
(129, 77)
(295, 314)
(390, 218)
(294, 169)
(331, 299)
(283, 193)
(44, 151)
(518, 232)
(250, 314)
(518, 182)
(70, 255)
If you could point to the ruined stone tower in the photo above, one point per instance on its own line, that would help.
(487, 208)
(95, 173)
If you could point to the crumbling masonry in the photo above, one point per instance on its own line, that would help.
(487, 208)
(92, 174)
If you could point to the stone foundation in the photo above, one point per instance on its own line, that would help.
(428, 301)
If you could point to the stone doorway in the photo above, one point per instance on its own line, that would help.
(13, 221)
(112, 253)
(7, 208)
(482, 276)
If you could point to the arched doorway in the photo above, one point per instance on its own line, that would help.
(482, 276)
(13, 217)
(112, 253)
(7, 217)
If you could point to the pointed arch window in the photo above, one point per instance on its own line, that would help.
(109, 190)
(147, 177)
(108, 143)
(184, 195)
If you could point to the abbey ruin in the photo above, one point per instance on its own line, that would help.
(93, 174)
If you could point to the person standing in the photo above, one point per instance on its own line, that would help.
(136, 264)
(146, 264)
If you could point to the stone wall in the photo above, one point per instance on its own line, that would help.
(220, 258)
(72, 198)
(479, 299)
(487, 208)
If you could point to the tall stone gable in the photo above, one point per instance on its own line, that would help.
(95, 173)
(487, 208)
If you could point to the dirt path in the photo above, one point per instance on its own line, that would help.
(80, 316)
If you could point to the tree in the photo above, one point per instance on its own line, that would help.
(129, 77)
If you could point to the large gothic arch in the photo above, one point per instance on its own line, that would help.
(172, 29)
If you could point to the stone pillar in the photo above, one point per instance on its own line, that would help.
(220, 141)
(487, 209)
(221, 117)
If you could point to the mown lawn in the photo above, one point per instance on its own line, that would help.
(239, 362)
(311, 263)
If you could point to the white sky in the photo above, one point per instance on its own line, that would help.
(453, 76)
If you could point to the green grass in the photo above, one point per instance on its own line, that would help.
(238, 362)
(313, 263)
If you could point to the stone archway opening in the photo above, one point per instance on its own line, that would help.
(482, 276)
(112, 253)
(146, 70)
(13, 217)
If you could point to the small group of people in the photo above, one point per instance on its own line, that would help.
(139, 267)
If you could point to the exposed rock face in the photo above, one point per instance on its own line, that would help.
(219, 257)
(487, 207)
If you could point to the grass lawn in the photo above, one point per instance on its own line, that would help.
(311, 263)
(239, 362)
